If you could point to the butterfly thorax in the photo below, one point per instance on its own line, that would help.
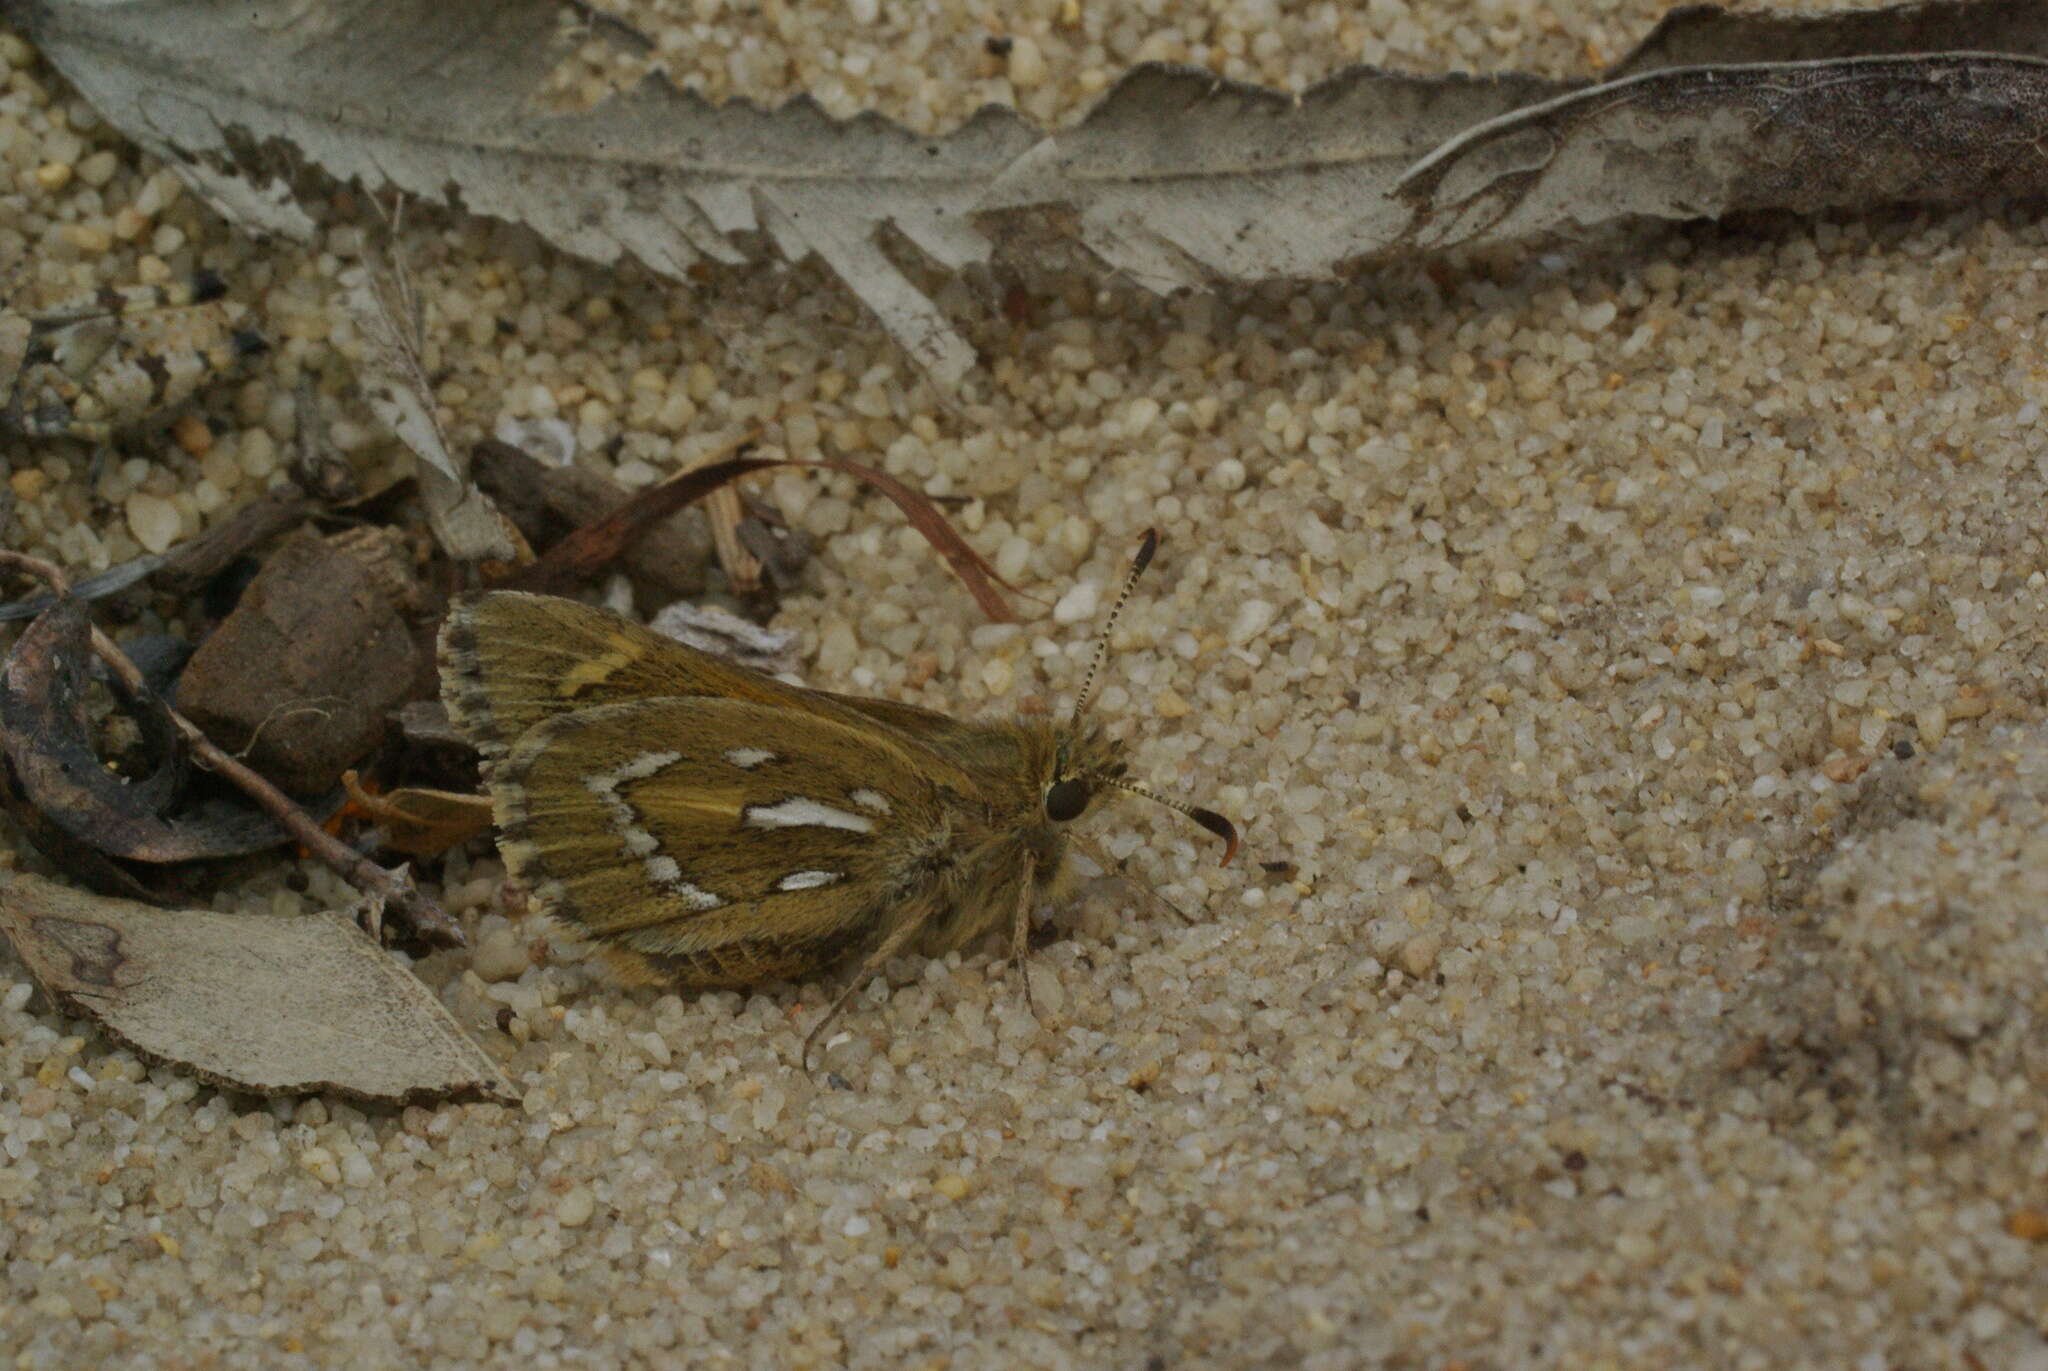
(1015, 850)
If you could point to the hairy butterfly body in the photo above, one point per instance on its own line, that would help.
(711, 827)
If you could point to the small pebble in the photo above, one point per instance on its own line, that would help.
(1418, 956)
(1253, 618)
(1078, 605)
(191, 433)
(154, 521)
(501, 954)
(576, 1207)
(1027, 64)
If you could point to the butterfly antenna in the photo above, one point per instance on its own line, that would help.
(1207, 818)
(1146, 548)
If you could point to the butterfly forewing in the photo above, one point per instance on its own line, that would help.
(510, 660)
(720, 836)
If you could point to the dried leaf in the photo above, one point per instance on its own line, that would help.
(548, 502)
(974, 570)
(595, 546)
(394, 380)
(393, 890)
(1695, 142)
(278, 1006)
(1176, 179)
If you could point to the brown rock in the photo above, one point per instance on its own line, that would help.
(300, 676)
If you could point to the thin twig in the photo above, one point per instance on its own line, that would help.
(402, 898)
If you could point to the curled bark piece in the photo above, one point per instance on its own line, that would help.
(55, 771)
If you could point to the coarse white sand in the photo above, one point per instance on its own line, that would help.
(1635, 644)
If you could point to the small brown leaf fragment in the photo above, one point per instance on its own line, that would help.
(277, 1006)
(421, 822)
(392, 890)
(301, 675)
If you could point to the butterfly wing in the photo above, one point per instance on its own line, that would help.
(510, 660)
(722, 841)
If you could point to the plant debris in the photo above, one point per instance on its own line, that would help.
(418, 821)
(274, 1005)
(1176, 179)
(101, 363)
(709, 629)
(77, 811)
(299, 678)
(46, 681)
(597, 545)
(394, 382)
(548, 502)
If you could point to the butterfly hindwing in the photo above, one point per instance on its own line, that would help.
(715, 840)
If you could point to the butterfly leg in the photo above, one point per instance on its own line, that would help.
(899, 937)
(1020, 943)
(1114, 869)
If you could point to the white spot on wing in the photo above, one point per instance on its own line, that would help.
(639, 769)
(871, 799)
(807, 880)
(747, 758)
(664, 872)
(802, 813)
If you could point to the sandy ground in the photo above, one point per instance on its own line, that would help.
(1635, 645)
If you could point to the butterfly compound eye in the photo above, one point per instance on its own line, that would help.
(1066, 800)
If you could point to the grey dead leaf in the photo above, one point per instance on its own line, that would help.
(466, 524)
(1176, 179)
(277, 1006)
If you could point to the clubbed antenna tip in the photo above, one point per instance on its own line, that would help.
(1146, 548)
(1220, 826)
(1207, 818)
